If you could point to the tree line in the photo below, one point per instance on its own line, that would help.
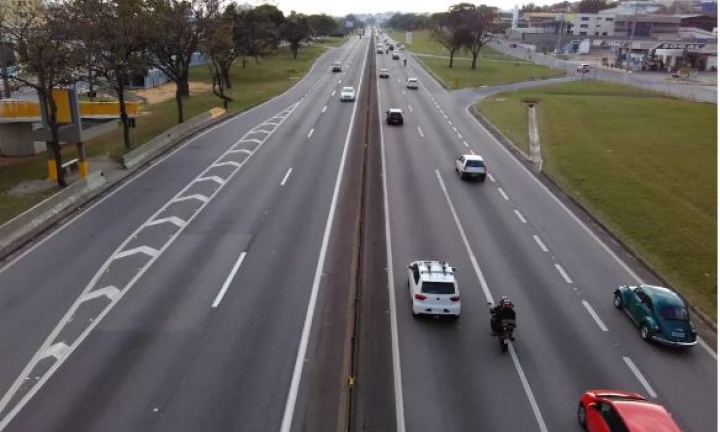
(104, 42)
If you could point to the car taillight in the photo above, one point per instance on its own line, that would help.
(455, 298)
(420, 297)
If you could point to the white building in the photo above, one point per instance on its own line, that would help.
(585, 24)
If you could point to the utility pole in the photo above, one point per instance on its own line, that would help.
(560, 32)
(3, 67)
(632, 36)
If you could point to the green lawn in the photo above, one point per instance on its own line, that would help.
(251, 85)
(493, 67)
(644, 164)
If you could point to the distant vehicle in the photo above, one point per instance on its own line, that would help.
(347, 94)
(583, 68)
(394, 116)
(412, 83)
(396, 56)
(379, 51)
(433, 288)
(471, 166)
(661, 314)
(513, 45)
(384, 73)
(391, 47)
(613, 410)
(337, 67)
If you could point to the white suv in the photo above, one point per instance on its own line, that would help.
(433, 289)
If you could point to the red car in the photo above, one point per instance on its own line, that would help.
(619, 411)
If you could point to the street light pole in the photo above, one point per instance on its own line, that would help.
(632, 36)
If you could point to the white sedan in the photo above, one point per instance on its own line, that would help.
(347, 94)
(471, 166)
(412, 83)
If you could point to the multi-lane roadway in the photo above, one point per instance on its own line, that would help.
(254, 279)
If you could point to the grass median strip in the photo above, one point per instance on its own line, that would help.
(644, 164)
(255, 83)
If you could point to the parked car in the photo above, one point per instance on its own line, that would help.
(394, 116)
(433, 288)
(612, 410)
(471, 166)
(347, 94)
(661, 314)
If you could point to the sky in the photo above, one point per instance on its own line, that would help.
(344, 7)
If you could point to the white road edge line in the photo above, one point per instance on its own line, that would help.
(395, 346)
(584, 227)
(287, 419)
(229, 280)
(488, 297)
(421, 132)
(287, 174)
(563, 274)
(142, 171)
(595, 316)
(520, 216)
(640, 377)
(540, 243)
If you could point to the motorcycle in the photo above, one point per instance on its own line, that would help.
(504, 332)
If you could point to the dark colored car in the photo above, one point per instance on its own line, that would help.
(613, 410)
(394, 116)
(661, 314)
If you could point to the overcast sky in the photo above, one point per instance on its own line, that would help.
(344, 7)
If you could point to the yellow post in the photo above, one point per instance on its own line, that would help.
(52, 172)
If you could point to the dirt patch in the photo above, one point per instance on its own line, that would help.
(166, 91)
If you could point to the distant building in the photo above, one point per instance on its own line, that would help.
(583, 24)
(648, 26)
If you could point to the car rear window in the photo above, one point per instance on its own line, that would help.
(475, 164)
(673, 313)
(438, 288)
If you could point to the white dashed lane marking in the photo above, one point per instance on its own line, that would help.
(563, 274)
(502, 192)
(595, 316)
(311, 132)
(520, 216)
(640, 377)
(540, 243)
(421, 132)
(282, 183)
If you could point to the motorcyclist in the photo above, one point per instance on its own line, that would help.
(504, 310)
(404, 62)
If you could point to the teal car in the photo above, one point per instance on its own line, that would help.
(661, 314)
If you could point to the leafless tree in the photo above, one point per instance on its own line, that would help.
(218, 45)
(174, 37)
(43, 39)
(114, 33)
(482, 22)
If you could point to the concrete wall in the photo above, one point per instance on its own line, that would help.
(16, 140)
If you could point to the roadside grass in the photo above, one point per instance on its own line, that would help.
(423, 43)
(488, 73)
(251, 85)
(644, 164)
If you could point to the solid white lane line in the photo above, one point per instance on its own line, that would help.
(466, 144)
(640, 377)
(311, 132)
(287, 174)
(307, 325)
(490, 176)
(595, 316)
(563, 274)
(228, 281)
(504, 195)
(488, 298)
(540, 243)
(520, 216)
(394, 338)
(410, 108)
(324, 108)
(421, 132)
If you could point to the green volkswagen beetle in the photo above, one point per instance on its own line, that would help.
(661, 314)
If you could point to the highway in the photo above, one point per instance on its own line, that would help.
(509, 236)
(198, 295)
(251, 277)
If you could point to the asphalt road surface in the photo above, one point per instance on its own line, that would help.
(255, 279)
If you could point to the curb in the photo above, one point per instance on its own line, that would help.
(22, 229)
(549, 180)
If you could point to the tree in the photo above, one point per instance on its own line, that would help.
(218, 45)
(257, 30)
(451, 32)
(173, 40)
(47, 53)
(113, 34)
(481, 23)
(591, 6)
(295, 30)
(322, 25)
